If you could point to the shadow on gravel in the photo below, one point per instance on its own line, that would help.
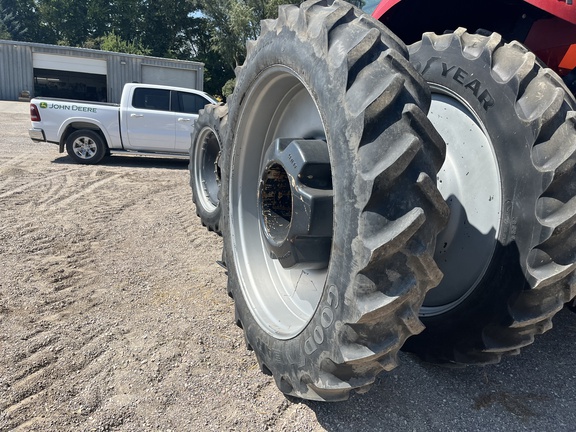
(134, 162)
(535, 391)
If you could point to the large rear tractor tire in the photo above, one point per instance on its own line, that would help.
(329, 199)
(205, 176)
(508, 253)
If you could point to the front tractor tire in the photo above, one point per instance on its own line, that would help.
(330, 209)
(205, 177)
(507, 253)
(86, 146)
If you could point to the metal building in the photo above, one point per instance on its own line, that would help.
(85, 74)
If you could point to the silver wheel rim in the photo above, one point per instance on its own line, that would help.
(206, 172)
(281, 300)
(470, 183)
(84, 147)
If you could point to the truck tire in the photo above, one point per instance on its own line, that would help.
(507, 253)
(207, 139)
(86, 146)
(329, 204)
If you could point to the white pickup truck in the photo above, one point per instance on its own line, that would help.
(150, 119)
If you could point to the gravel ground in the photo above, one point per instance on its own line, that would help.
(114, 316)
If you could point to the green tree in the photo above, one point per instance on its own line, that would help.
(216, 70)
(126, 19)
(113, 42)
(4, 33)
(233, 22)
(166, 22)
(211, 31)
(230, 24)
(64, 22)
(74, 23)
(99, 18)
(17, 20)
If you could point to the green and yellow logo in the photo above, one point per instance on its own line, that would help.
(43, 105)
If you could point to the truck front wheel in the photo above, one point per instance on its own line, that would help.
(507, 253)
(86, 146)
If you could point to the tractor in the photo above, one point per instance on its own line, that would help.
(399, 181)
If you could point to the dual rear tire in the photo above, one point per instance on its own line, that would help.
(509, 179)
(335, 225)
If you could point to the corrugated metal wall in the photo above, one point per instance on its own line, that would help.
(122, 70)
(17, 74)
(173, 72)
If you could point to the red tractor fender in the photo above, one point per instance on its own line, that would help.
(564, 9)
(383, 7)
(549, 30)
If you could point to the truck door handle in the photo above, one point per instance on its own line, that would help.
(183, 119)
(136, 115)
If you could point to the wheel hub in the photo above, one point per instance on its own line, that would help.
(470, 183)
(295, 199)
(85, 148)
(282, 299)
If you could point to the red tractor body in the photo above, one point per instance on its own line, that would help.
(546, 27)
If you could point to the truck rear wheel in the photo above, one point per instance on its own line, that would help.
(207, 139)
(507, 252)
(86, 146)
(330, 209)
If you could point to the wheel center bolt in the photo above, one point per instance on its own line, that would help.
(295, 200)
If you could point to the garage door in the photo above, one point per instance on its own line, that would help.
(169, 76)
(69, 63)
(70, 77)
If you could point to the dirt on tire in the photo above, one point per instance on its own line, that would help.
(113, 311)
